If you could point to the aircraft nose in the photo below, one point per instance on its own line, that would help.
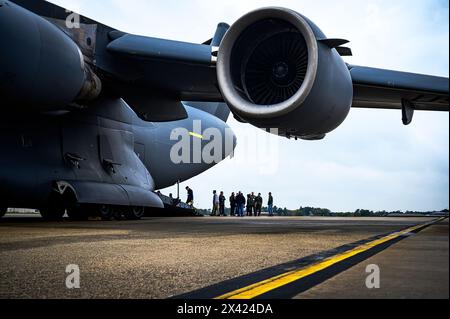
(224, 136)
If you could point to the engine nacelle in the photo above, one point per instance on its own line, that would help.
(41, 68)
(275, 72)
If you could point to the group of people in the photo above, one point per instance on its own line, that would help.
(239, 204)
(252, 205)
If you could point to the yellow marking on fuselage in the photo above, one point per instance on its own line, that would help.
(196, 135)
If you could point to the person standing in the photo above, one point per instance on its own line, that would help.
(190, 197)
(232, 204)
(222, 201)
(250, 205)
(240, 204)
(258, 205)
(253, 204)
(270, 205)
(215, 210)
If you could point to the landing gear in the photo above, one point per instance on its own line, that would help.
(135, 213)
(83, 212)
(106, 212)
(78, 213)
(3, 211)
(52, 213)
(58, 202)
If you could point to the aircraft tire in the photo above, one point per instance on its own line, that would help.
(106, 212)
(135, 213)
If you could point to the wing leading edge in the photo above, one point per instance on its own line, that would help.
(144, 70)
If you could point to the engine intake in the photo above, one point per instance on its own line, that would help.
(275, 69)
(274, 72)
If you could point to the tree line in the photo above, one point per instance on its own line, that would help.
(323, 212)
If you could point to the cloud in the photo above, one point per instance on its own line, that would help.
(371, 161)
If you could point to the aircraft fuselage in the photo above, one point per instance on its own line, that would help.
(104, 155)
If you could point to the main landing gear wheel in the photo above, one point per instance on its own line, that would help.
(3, 211)
(52, 213)
(106, 212)
(135, 213)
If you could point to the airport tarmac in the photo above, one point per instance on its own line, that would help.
(208, 257)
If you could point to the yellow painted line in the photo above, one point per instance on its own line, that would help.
(196, 135)
(273, 283)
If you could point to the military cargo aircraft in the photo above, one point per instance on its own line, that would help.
(88, 112)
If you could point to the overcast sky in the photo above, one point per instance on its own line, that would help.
(372, 161)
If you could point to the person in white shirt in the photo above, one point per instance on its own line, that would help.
(216, 204)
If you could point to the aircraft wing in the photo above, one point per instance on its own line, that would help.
(155, 75)
(385, 89)
(152, 75)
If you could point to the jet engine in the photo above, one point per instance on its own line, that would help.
(41, 68)
(276, 69)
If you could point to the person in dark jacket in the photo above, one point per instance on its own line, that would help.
(222, 201)
(270, 205)
(258, 205)
(250, 205)
(232, 205)
(190, 199)
(240, 204)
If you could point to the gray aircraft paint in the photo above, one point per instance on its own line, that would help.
(88, 114)
(106, 149)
